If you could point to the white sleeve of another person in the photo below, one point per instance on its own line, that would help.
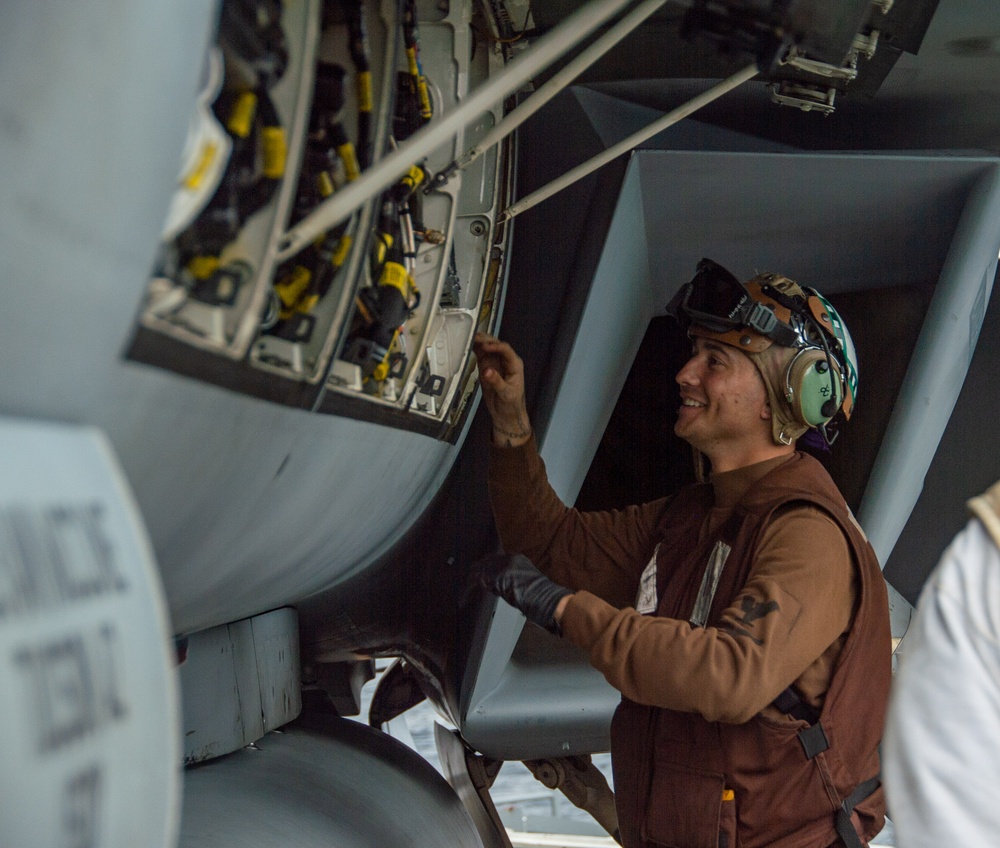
(942, 742)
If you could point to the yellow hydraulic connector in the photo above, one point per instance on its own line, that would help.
(341, 251)
(202, 267)
(382, 369)
(275, 152)
(396, 276)
(412, 178)
(241, 117)
(421, 83)
(206, 156)
(324, 184)
(348, 155)
(364, 87)
(382, 246)
(290, 290)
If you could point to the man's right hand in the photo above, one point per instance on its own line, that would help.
(501, 374)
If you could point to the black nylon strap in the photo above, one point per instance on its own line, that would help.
(814, 742)
(787, 700)
(845, 827)
(813, 738)
(791, 704)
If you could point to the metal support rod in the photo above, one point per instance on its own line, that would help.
(627, 144)
(380, 176)
(551, 88)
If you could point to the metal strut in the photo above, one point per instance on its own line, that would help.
(549, 90)
(591, 165)
(583, 784)
(471, 776)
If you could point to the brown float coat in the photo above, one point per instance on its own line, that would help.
(786, 624)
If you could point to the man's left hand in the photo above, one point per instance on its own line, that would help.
(515, 579)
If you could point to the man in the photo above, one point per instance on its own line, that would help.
(744, 620)
(942, 739)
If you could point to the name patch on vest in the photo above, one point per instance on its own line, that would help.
(645, 599)
(709, 583)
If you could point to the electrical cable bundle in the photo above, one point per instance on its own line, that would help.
(252, 30)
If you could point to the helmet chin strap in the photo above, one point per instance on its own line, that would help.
(828, 438)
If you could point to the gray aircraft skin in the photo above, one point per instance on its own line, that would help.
(269, 496)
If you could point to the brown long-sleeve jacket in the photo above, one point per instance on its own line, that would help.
(803, 565)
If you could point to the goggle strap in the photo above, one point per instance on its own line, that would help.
(762, 320)
(783, 299)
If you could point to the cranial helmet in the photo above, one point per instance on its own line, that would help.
(794, 337)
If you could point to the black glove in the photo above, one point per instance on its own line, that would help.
(515, 579)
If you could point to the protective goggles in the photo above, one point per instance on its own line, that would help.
(717, 301)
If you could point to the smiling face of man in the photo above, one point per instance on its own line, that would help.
(724, 409)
